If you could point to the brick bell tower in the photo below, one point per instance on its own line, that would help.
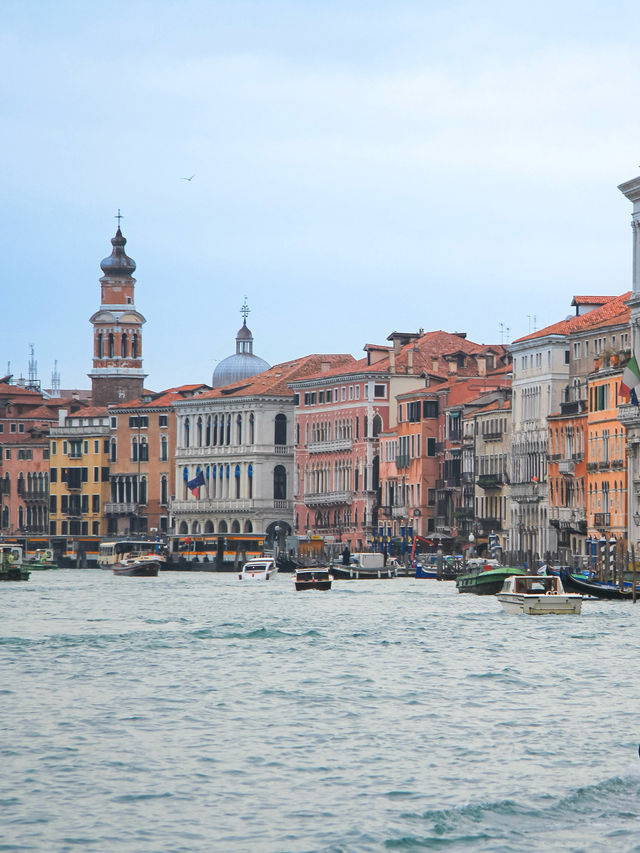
(117, 374)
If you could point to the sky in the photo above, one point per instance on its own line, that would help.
(360, 167)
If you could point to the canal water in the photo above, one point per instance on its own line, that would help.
(192, 712)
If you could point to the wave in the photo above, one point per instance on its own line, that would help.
(256, 634)
(589, 817)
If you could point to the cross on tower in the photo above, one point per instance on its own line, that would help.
(119, 217)
(245, 310)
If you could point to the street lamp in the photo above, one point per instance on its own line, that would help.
(276, 534)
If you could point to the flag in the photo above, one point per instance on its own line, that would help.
(630, 382)
(195, 484)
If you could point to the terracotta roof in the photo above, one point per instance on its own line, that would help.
(590, 300)
(611, 313)
(275, 381)
(89, 412)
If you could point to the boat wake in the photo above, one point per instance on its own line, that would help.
(579, 820)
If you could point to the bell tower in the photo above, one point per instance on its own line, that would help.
(117, 375)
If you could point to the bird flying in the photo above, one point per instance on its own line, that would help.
(188, 179)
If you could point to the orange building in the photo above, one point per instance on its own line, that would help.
(606, 476)
(567, 472)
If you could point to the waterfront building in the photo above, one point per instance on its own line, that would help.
(117, 375)
(141, 459)
(25, 417)
(606, 487)
(341, 419)
(551, 369)
(490, 417)
(79, 473)
(629, 412)
(234, 453)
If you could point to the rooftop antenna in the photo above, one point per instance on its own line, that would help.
(505, 332)
(33, 382)
(55, 380)
(532, 322)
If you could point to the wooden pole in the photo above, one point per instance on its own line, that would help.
(633, 574)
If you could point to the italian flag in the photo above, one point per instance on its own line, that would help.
(630, 380)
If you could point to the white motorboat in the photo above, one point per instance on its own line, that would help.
(538, 596)
(260, 569)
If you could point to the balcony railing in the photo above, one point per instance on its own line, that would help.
(489, 524)
(525, 492)
(116, 508)
(490, 481)
(331, 446)
(492, 436)
(566, 466)
(327, 498)
(399, 512)
(601, 519)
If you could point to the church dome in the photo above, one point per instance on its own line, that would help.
(118, 263)
(243, 364)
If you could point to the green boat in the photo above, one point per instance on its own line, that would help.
(487, 582)
(42, 559)
(11, 566)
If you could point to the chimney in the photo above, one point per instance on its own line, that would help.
(392, 361)
(410, 361)
(453, 366)
(62, 416)
(481, 362)
(434, 365)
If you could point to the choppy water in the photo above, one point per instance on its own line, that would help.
(192, 712)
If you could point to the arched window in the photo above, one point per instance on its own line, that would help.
(250, 479)
(195, 527)
(164, 490)
(239, 429)
(377, 425)
(123, 345)
(215, 430)
(164, 448)
(207, 437)
(186, 432)
(235, 527)
(228, 440)
(222, 527)
(5, 516)
(280, 436)
(111, 345)
(100, 348)
(208, 526)
(199, 431)
(252, 426)
(248, 527)
(144, 450)
(143, 491)
(134, 346)
(279, 483)
(237, 476)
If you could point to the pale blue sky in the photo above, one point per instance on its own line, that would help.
(360, 168)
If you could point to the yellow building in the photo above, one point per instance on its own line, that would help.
(79, 475)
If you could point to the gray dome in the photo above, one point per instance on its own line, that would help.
(118, 264)
(237, 367)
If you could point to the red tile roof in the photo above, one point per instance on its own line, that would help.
(613, 312)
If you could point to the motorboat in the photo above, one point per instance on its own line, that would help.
(260, 569)
(42, 559)
(138, 565)
(486, 578)
(313, 578)
(11, 566)
(365, 566)
(538, 595)
(587, 584)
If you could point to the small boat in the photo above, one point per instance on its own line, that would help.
(538, 595)
(486, 581)
(138, 566)
(42, 559)
(365, 566)
(584, 583)
(11, 566)
(260, 569)
(313, 578)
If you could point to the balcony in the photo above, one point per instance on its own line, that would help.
(525, 492)
(33, 495)
(115, 508)
(604, 465)
(399, 512)
(492, 436)
(490, 481)
(327, 498)
(207, 505)
(566, 466)
(601, 519)
(488, 524)
(402, 461)
(573, 407)
(333, 446)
